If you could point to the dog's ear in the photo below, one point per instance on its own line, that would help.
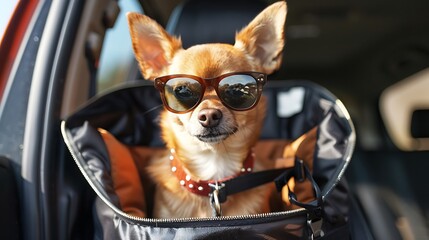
(153, 47)
(263, 37)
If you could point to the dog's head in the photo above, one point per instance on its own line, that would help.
(206, 113)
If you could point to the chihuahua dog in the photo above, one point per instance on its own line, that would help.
(213, 111)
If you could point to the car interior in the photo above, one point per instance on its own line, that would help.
(372, 55)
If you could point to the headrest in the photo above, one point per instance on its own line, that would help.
(202, 21)
(404, 108)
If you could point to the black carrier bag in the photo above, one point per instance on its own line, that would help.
(114, 135)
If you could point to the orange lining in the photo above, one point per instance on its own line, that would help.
(125, 176)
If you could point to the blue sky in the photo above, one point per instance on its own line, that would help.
(5, 12)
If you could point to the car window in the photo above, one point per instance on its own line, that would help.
(117, 63)
(5, 14)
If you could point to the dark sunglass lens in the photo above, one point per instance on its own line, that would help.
(181, 94)
(239, 91)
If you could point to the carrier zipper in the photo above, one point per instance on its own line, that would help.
(220, 218)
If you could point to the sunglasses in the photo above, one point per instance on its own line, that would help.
(240, 91)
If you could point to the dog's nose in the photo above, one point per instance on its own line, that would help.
(209, 117)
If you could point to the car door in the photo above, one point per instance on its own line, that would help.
(51, 73)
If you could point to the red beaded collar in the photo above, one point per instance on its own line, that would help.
(201, 187)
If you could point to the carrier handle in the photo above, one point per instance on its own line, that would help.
(300, 172)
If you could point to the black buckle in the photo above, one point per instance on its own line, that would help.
(315, 226)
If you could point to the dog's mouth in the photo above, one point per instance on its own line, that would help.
(214, 136)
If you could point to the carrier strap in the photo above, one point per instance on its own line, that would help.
(245, 182)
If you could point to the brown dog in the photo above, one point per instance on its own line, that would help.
(213, 115)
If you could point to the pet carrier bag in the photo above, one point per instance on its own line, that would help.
(113, 136)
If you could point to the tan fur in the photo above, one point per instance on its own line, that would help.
(258, 47)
